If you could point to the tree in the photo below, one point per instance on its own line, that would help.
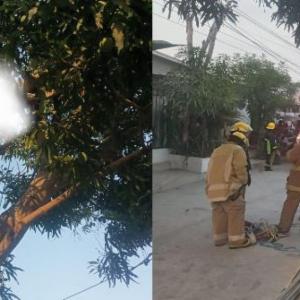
(263, 87)
(211, 96)
(202, 11)
(287, 14)
(207, 96)
(86, 67)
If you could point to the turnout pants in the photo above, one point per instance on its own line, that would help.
(289, 209)
(270, 160)
(228, 220)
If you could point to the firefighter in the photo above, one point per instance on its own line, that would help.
(228, 175)
(271, 145)
(293, 191)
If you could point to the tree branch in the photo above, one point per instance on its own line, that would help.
(49, 205)
(145, 262)
(123, 160)
(128, 102)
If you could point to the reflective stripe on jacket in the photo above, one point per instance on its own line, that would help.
(271, 143)
(227, 172)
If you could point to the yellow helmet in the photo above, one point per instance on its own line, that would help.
(241, 127)
(242, 137)
(271, 125)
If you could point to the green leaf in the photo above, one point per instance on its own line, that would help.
(118, 36)
(84, 156)
(32, 12)
(79, 24)
(23, 18)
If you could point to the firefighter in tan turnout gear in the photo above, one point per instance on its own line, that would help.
(293, 191)
(226, 180)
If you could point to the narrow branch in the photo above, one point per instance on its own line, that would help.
(128, 102)
(145, 261)
(49, 205)
(123, 160)
(131, 103)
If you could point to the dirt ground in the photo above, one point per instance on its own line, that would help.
(186, 264)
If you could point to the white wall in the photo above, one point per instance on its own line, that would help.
(160, 155)
(192, 164)
(161, 66)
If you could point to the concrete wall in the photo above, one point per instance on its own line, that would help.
(160, 155)
(172, 161)
(193, 164)
(161, 66)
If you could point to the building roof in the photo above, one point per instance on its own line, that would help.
(161, 44)
(167, 57)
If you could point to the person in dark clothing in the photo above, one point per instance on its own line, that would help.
(271, 146)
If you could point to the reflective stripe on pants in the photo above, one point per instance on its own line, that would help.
(228, 217)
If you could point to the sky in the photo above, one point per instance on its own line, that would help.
(57, 268)
(276, 41)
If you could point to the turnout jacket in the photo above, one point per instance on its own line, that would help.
(293, 180)
(227, 172)
(271, 142)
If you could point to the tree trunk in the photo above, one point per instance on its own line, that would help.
(186, 129)
(209, 44)
(13, 221)
(189, 36)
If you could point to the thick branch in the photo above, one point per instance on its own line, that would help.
(49, 206)
(32, 204)
(26, 220)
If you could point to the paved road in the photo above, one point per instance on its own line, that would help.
(186, 264)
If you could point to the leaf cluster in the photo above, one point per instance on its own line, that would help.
(203, 11)
(8, 272)
(287, 15)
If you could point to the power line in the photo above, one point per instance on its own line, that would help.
(257, 44)
(145, 261)
(277, 40)
(264, 48)
(265, 28)
(247, 36)
(206, 25)
(82, 291)
(253, 21)
(179, 24)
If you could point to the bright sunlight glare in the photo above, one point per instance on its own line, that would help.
(14, 115)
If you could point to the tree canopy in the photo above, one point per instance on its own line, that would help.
(263, 87)
(203, 100)
(200, 98)
(86, 72)
(203, 11)
(287, 14)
